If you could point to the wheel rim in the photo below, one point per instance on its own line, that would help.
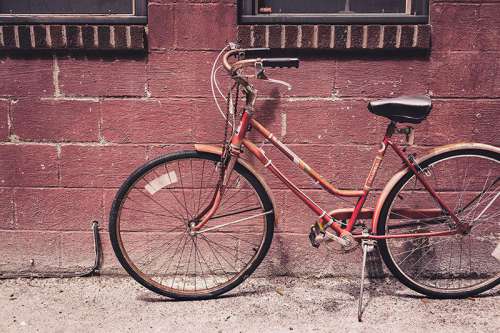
(458, 263)
(164, 254)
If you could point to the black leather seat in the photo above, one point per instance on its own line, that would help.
(404, 109)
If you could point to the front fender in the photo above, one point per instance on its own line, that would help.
(218, 151)
(436, 151)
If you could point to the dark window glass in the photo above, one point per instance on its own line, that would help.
(333, 11)
(73, 11)
(67, 7)
(334, 6)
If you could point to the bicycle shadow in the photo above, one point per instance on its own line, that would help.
(159, 299)
(487, 294)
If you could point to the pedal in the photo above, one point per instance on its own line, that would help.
(316, 235)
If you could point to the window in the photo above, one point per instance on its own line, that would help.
(73, 11)
(333, 11)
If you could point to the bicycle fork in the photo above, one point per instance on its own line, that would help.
(212, 207)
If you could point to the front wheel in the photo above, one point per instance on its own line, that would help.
(150, 218)
(461, 265)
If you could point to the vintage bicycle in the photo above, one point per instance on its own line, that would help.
(195, 224)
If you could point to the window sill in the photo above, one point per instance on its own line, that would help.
(336, 37)
(72, 37)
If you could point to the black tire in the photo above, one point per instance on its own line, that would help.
(385, 245)
(147, 281)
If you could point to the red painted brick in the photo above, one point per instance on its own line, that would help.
(275, 36)
(357, 36)
(57, 208)
(99, 166)
(307, 36)
(77, 251)
(24, 37)
(160, 26)
(381, 77)
(208, 124)
(485, 124)
(120, 37)
(291, 36)
(465, 74)
(332, 122)
(104, 36)
(340, 36)
(137, 37)
(6, 208)
(154, 151)
(259, 36)
(456, 26)
(28, 165)
(102, 76)
(26, 77)
(40, 34)
(324, 36)
(244, 36)
(373, 36)
(175, 74)
(460, 121)
(88, 39)
(193, 26)
(49, 120)
(138, 121)
(390, 36)
(4, 120)
(9, 37)
(407, 34)
(29, 251)
(489, 36)
(314, 77)
(56, 36)
(448, 122)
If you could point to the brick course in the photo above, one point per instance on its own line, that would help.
(74, 125)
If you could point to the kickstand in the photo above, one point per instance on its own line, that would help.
(366, 245)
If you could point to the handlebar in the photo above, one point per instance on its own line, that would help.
(266, 62)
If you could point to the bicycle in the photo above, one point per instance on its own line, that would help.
(207, 216)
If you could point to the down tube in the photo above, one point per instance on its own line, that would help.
(308, 201)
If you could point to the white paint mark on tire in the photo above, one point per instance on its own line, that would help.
(160, 182)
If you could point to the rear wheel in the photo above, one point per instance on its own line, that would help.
(152, 211)
(448, 266)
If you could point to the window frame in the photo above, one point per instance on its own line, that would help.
(247, 15)
(139, 16)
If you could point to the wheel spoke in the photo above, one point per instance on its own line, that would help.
(152, 227)
(447, 264)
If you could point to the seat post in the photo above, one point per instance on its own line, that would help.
(391, 128)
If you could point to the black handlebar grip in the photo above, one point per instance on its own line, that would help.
(257, 52)
(280, 62)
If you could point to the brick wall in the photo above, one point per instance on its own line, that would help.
(73, 125)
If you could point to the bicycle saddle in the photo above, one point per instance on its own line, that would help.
(404, 109)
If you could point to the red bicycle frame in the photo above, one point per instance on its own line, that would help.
(328, 219)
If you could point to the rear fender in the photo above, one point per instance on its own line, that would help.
(400, 174)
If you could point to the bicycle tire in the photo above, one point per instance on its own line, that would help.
(385, 244)
(147, 281)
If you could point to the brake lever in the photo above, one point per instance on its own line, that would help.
(260, 74)
(286, 84)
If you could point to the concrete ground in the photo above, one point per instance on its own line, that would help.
(106, 304)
